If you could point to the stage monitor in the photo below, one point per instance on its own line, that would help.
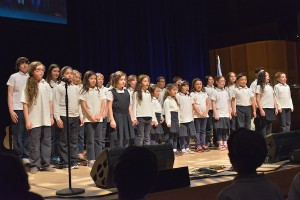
(282, 145)
(53, 11)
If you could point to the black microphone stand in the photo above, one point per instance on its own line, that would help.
(70, 190)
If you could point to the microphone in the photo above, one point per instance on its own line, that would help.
(65, 80)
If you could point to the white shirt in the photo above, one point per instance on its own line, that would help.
(221, 98)
(39, 111)
(170, 105)
(209, 90)
(131, 91)
(59, 103)
(200, 101)
(283, 96)
(53, 84)
(144, 107)
(93, 100)
(242, 96)
(17, 81)
(253, 86)
(186, 102)
(156, 105)
(266, 96)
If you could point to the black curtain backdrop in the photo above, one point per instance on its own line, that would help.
(154, 37)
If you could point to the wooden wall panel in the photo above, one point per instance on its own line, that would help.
(256, 57)
(276, 55)
(292, 70)
(238, 56)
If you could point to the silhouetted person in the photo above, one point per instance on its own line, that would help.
(135, 173)
(14, 180)
(294, 193)
(247, 152)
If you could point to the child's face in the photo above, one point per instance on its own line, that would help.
(55, 73)
(100, 81)
(185, 89)
(23, 67)
(39, 72)
(267, 79)
(198, 86)
(76, 79)
(161, 83)
(210, 81)
(121, 83)
(132, 83)
(282, 79)
(145, 83)
(242, 81)
(173, 91)
(68, 74)
(232, 78)
(156, 92)
(92, 81)
(221, 83)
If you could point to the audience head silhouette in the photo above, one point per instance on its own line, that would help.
(247, 150)
(135, 173)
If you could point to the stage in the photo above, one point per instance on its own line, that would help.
(47, 183)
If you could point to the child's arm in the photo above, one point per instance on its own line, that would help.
(13, 115)
(26, 116)
(230, 109)
(196, 109)
(102, 112)
(133, 106)
(167, 113)
(111, 115)
(51, 112)
(56, 97)
(253, 106)
(207, 107)
(261, 110)
(86, 111)
(276, 94)
(233, 106)
(275, 106)
(216, 115)
(134, 121)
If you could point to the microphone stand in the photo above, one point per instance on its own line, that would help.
(70, 190)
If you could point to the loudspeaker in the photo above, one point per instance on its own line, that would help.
(102, 171)
(281, 145)
(295, 156)
(169, 179)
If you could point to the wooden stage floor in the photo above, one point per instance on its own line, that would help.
(47, 183)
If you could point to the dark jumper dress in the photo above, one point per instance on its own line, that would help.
(120, 105)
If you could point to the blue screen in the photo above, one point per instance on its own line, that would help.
(53, 11)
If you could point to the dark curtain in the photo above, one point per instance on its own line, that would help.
(154, 37)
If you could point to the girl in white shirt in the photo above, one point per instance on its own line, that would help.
(210, 130)
(266, 102)
(143, 111)
(171, 110)
(201, 107)
(231, 85)
(156, 131)
(52, 79)
(76, 80)
(284, 101)
(75, 117)
(222, 112)
(242, 100)
(186, 115)
(38, 112)
(131, 84)
(93, 104)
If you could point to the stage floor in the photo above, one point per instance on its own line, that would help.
(47, 183)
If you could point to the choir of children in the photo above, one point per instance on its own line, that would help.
(135, 111)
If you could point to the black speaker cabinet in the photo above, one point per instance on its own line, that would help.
(281, 145)
(102, 171)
